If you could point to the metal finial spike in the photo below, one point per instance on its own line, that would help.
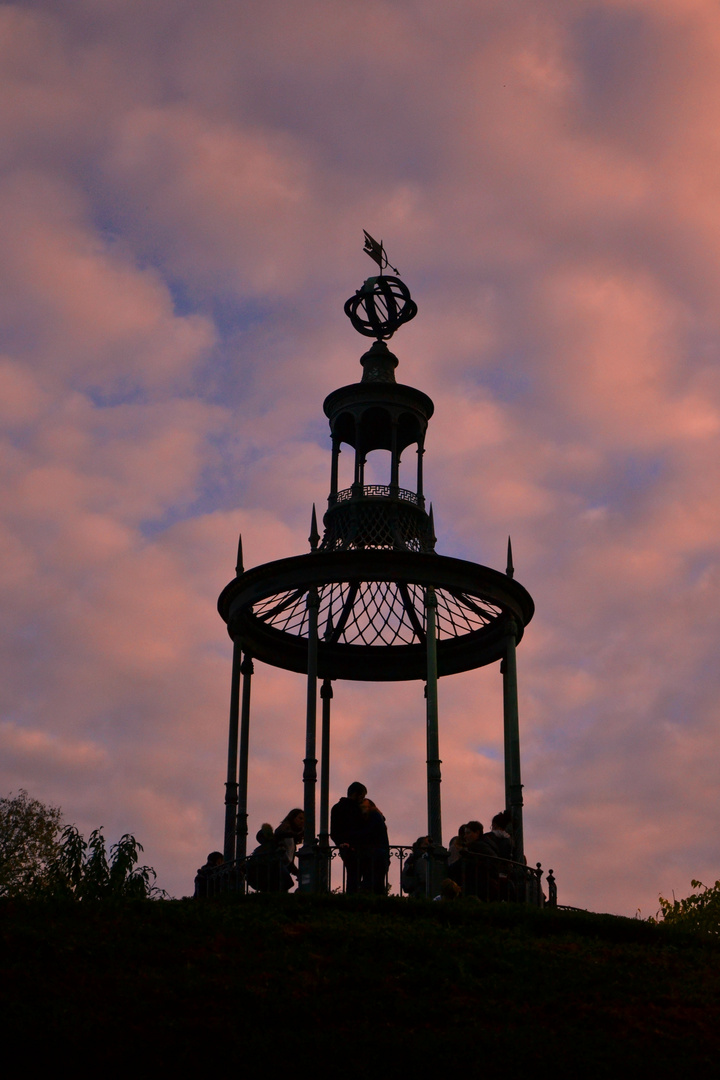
(431, 526)
(314, 536)
(329, 627)
(239, 568)
(510, 569)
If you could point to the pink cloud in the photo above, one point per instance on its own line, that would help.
(182, 199)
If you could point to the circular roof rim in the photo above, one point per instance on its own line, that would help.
(426, 569)
(381, 393)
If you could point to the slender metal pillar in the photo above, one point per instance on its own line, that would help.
(433, 746)
(307, 856)
(437, 869)
(231, 787)
(513, 782)
(326, 694)
(247, 669)
(420, 453)
(334, 470)
(394, 456)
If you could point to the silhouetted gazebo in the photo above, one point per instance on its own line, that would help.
(372, 600)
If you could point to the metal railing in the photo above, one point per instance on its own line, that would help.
(485, 877)
(385, 491)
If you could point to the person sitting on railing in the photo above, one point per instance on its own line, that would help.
(414, 876)
(373, 850)
(202, 889)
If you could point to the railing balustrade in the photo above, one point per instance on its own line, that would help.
(384, 491)
(486, 877)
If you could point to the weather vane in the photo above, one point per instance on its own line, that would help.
(377, 253)
(383, 303)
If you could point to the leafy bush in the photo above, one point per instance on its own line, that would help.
(84, 870)
(700, 911)
(29, 842)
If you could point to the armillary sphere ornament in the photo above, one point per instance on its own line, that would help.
(381, 306)
(383, 303)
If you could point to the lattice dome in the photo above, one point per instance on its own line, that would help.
(376, 613)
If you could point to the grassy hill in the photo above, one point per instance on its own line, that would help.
(356, 985)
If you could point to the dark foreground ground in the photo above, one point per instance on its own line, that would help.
(361, 987)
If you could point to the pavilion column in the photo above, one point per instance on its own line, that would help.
(326, 695)
(433, 746)
(437, 869)
(308, 853)
(247, 670)
(231, 787)
(513, 782)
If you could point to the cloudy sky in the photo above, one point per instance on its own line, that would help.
(183, 192)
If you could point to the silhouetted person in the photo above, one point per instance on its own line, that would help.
(214, 859)
(289, 835)
(500, 837)
(347, 829)
(267, 868)
(373, 849)
(414, 877)
(456, 847)
(473, 870)
(502, 842)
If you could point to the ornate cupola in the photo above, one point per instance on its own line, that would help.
(371, 600)
(378, 413)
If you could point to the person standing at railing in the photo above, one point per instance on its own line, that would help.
(500, 838)
(456, 847)
(373, 850)
(414, 877)
(289, 835)
(266, 869)
(347, 828)
(473, 871)
(214, 859)
(501, 841)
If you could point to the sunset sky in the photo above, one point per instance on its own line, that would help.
(183, 192)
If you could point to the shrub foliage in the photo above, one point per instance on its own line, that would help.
(37, 861)
(83, 870)
(700, 911)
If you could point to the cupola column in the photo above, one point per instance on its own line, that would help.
(334, 470)
(394, 458)
(359, 458)
(420, 454)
